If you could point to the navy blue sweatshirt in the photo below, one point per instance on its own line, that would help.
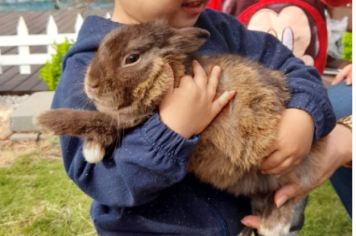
(142, 187)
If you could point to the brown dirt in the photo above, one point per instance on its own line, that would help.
(45, 149)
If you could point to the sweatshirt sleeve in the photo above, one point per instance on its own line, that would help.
(305, 84)
(148, 159)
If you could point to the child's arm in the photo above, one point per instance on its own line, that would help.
(147, 159)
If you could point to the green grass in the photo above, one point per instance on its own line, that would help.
(37, 198)
(325, 214)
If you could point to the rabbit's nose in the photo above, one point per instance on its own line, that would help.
(93, 84)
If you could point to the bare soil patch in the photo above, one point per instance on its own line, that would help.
(44, 149)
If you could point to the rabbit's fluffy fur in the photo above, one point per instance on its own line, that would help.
(131, 71)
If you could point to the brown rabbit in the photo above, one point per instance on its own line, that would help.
(126, 80)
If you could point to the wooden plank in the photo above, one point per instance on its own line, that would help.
(39, 26)
(29, 17)
(11, 84)
(5, 69)
(8, 75)
(35, 22)
(15, 81)
(32, 81)
(41, 86)
(3, 16)
(8, 23)
(66, 26)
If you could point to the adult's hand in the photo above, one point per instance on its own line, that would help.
(344, 74)
(338, 152)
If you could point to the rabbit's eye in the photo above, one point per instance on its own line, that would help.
(132, 58)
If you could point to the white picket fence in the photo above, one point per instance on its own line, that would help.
(23, 40)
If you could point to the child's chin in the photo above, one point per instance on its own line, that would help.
(182, 23)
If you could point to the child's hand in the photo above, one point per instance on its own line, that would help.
(190, 108)
(294, 140)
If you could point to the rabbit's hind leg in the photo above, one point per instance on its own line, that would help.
(274, 221)
(246, 232)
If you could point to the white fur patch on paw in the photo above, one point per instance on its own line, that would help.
(278, 230)
(93, 152)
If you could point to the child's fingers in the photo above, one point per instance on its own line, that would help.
(200, 76)
(272, 161)
(339, 77)
(349, 80)
(214, 81)
(221, 102)
(282, 168)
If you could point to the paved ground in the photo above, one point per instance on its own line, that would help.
(7, 106)
(17, 112)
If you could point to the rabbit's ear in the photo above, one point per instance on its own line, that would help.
(187, 40)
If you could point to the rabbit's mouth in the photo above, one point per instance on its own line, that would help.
(93, 98)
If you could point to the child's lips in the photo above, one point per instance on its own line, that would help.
(193, 8)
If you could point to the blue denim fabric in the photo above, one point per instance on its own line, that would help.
(341, 99)
(342, 183)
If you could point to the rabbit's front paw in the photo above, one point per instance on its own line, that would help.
(47, 122)
(93, 151)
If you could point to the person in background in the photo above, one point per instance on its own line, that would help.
(288, 21)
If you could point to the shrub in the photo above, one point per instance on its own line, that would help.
(51, 71)
(347, 46)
